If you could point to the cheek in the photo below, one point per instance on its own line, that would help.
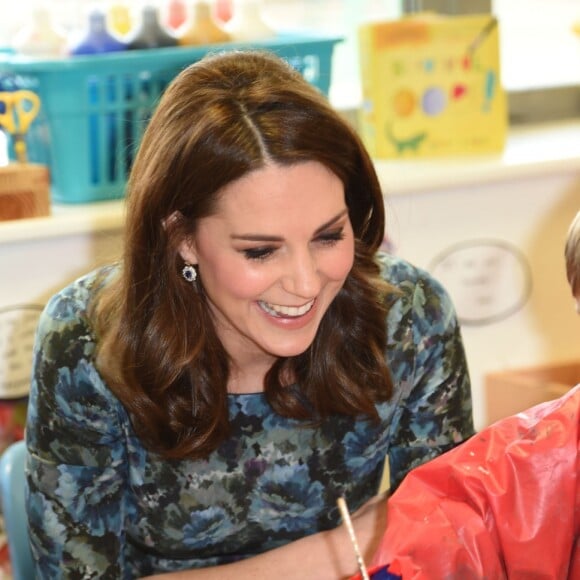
(338, 265)
(234, 280)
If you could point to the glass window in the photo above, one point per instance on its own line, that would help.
(540, 43)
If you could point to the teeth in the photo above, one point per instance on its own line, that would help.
(291, 311)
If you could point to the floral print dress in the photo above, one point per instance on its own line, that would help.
(100, 505)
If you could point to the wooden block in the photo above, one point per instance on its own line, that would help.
(24, 191)
(513, 391)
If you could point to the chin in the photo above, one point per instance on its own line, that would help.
(290, 351)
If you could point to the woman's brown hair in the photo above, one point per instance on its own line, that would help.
(221, 118)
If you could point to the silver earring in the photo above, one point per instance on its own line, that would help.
(189, 273)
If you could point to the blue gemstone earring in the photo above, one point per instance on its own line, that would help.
(189, 273)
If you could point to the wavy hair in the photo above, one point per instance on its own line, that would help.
(221, 118)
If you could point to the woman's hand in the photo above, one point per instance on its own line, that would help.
(369, 522)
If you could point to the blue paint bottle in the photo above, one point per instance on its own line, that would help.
(97, 39)
(101, 98)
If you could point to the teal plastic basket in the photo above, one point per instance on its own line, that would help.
(95, 108)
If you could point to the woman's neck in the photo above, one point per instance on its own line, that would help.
(249, 377)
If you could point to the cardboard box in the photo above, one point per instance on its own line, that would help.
(431, 86)
(24, 191)
(512, 391)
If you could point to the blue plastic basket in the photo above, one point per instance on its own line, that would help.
(95, 108)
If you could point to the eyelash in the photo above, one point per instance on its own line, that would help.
(259, 254)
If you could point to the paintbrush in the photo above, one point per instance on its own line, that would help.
(348, 523)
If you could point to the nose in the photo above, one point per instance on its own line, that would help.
(302, 276)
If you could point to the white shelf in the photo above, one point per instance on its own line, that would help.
(65, 221)
(530, 151)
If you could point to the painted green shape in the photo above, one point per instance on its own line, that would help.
(411, 143)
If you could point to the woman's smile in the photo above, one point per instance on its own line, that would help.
(269, 269)
(280, 311)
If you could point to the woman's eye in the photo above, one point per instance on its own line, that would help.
(258, 253)
(331, 238)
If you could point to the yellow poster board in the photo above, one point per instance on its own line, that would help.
(431, 86)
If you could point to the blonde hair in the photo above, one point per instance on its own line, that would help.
(572, 255)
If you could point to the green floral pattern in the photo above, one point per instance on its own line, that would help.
(101, 506)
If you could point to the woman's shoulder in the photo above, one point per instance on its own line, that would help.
(74, 299)
(65, 316)
(417, 294)
(66, 384)
(405, 276)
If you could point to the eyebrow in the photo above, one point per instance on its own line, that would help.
(266, 238)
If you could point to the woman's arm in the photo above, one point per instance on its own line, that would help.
(76, 464)
(323, 556)
(436, 414)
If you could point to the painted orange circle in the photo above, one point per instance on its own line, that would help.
(404, 102)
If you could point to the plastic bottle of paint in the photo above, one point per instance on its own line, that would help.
(150, 33)
(39, 37)
(97, 38)
(247, 23)
(175, 15)
(223, 10)
(201, 27)
(119, 20)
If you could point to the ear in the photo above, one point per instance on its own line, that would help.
(186, 247)
(187, 251)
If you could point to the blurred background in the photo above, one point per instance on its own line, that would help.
(489, 222)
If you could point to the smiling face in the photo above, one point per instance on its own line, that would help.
(272, 258)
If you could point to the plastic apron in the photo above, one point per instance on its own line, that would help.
(503, 505)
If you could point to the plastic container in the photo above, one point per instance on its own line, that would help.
(246, 23)
(97, 39)
(174, 14)
(150, 33)
(95, 108)
(119, 20)
(201, 27)
(39, 37)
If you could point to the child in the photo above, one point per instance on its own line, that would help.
(572, 254)
(505, 504)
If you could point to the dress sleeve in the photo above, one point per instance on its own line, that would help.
(435, 413)
(76, 464)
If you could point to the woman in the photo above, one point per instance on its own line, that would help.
(202, 405)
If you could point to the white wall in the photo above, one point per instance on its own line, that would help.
(499, 231)
(528, 215)
(32, 270)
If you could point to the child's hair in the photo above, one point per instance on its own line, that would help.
(572, 254)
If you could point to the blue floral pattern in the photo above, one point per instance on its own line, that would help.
(100, 505)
